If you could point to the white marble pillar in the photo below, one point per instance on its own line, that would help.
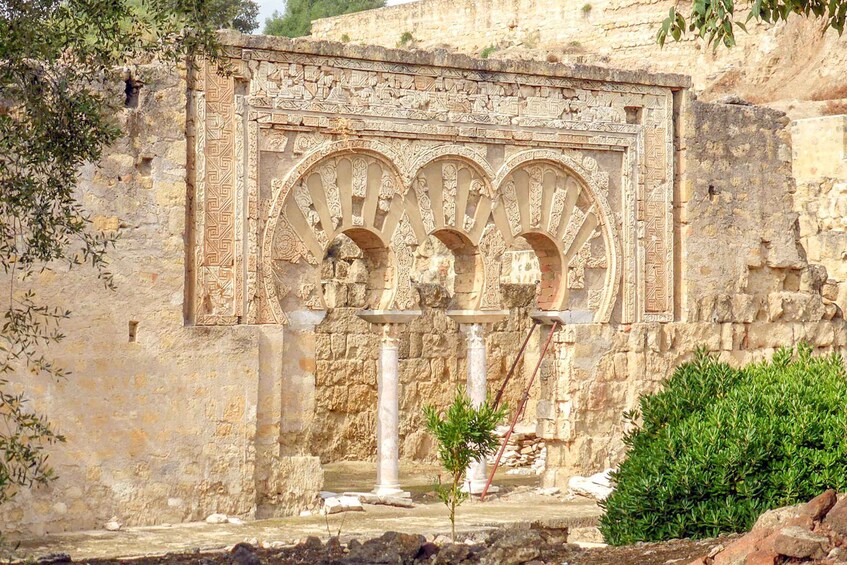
(477, 474)
(387, 417)
(388, 401)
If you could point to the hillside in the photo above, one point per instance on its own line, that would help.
(792, 66)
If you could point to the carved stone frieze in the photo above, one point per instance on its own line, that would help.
(309, 146)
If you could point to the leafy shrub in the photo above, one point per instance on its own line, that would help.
(406, 39)
(486, 53)
(718, 446)
(464, 434)
(586, 9)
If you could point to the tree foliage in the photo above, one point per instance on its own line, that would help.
(715, 20)
(718, 446)
(464, 434)
(296, 20)
(59, 63)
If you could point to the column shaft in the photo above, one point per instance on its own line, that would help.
(388, 422)
(477, 391)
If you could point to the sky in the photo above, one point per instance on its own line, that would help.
(267, 7)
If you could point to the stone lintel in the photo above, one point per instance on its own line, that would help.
(477, 316)
(388, 316)
(444, 58)
(564, 317)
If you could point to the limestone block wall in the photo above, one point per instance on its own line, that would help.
(746, 287)
(742, 258)
(432, 365)
(161, 426)
(820, 167)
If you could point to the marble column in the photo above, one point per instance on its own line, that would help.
(388, 398)
(477, 474)
(472, 324)
(387, 414)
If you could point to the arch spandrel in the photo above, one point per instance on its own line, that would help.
(337, 188)
(450, 198)
(552, 194)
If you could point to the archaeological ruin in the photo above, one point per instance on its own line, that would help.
(318, 244)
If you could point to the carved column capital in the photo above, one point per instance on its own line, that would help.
(390, 338)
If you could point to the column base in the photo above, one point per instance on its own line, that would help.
(476, 487)
(391, 491)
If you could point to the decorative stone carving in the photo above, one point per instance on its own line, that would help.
(491, 246)
(449, 192)
(403, 243)
(390, 125)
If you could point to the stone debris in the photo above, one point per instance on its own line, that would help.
(337, 504)
(525, 450)
(391, 547)
(245, 554)
(216, 519)
(371, 498)
(54, 558)
(598, 486)
(113, 525)
(814, 532)
(235, 521)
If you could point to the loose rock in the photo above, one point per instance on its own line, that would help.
(216, 519)
(795, 541)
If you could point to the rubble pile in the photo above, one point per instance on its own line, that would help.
(525, 452)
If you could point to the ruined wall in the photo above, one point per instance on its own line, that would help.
(159, 426)
(746, 286)
(820, 168)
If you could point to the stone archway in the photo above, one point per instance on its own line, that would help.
(345, 187)
(449, 201)
(551, 201)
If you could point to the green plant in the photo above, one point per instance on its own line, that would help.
(586, 9)
(714, 20)
(718, 446)
(464, 434)
(296, 20)
(345, 38)
(486, 53)
(406, 39)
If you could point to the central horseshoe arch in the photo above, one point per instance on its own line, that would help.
(553, 202)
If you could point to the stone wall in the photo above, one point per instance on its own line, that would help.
(432, 364)
(820, 167)
(746, 287)
(160, 417)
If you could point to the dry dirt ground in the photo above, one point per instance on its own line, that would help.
(501, 521)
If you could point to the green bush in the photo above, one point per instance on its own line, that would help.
(406, 39)
(718, 446)
(486, 53)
